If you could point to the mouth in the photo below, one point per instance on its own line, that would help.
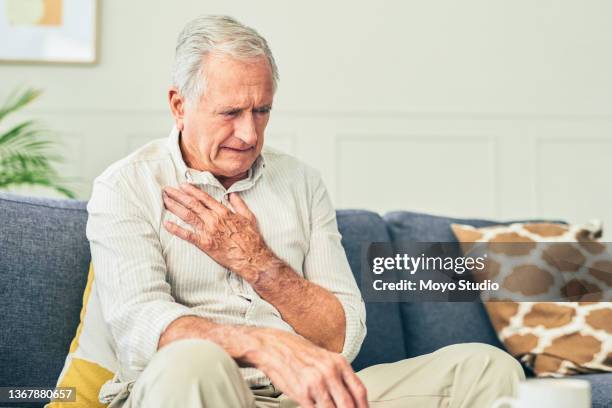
(237, 150)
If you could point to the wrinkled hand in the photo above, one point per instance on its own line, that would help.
(232, 239)
(308, 374)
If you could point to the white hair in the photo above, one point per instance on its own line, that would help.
(207, 34)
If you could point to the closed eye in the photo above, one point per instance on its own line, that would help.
(263, 111)
(233, 112)
(230, 113)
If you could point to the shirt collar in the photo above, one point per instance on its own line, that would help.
(188, 175)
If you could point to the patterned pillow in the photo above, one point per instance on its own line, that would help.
(91, 359)
(543, 261)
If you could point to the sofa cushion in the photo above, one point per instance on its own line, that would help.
(419, 227)
(601, 389)
(550, 338)
(43, 270)
(91, 361)
(429, 326)
(42, 292)
(384, 342)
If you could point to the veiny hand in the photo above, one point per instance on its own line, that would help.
(308, 374)
(231, 238)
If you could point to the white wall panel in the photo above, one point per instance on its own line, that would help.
(475, 108)
(573, 179)
(452, 174)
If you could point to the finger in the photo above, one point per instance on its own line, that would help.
(186, 200)
(358, 391)
(180, 232)
(183, 213)
(240, 206)
(339, 391)
(318, 388)
(324, 400)
(287, 380)
(304, 402)
(205, 198)
(353, 383)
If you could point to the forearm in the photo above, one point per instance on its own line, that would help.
(313, 311)
(234, 241)
(238, 341)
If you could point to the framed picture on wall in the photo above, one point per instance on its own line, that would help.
(48, 31)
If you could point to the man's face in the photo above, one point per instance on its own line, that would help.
(224, 132)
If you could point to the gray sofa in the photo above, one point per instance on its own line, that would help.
(44, 258)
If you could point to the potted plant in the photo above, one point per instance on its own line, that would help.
(26, 156)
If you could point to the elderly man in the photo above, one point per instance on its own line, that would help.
(220, 268)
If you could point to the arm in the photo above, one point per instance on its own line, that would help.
(313, 311)
(130, 272)
(326, 306)
(305, 372)
(310, 375)
(320, 307)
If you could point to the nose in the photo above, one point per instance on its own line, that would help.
(244, 128)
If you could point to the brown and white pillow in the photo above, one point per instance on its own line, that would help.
(542, 261)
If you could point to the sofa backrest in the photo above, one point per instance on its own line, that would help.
(430, 326)
(384, 342)
(44, 258)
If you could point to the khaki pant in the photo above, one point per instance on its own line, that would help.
(198, 374)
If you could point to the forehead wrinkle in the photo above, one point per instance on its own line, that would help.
(241, 88)
(250, 98)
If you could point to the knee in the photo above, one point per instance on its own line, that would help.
(186, 361)
(490, 358)
(191, 373)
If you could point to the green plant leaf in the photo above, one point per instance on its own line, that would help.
(17, 100)
(25, 150)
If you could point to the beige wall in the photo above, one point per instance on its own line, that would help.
(469, 108)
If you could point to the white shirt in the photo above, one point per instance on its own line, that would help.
(148, 277)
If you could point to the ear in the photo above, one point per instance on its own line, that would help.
(177, 106)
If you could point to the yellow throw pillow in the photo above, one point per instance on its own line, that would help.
(532, 262)
(91, 359)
